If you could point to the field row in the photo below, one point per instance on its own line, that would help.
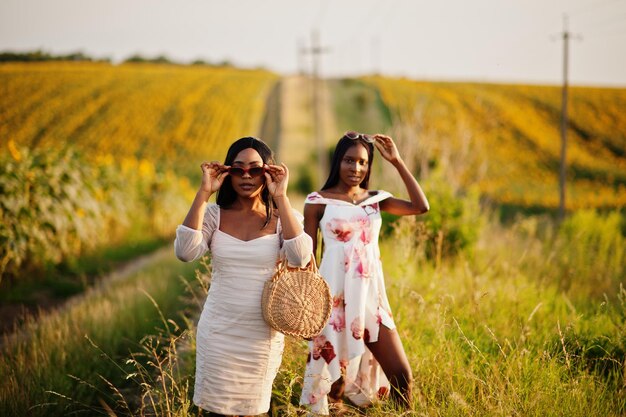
(505, 139)
(94, 155)
(167, 114)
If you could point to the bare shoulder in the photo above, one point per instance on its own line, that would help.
(315, 211)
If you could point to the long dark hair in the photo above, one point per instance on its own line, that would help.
(342, 147)
(226, 195)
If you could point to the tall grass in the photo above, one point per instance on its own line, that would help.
(491, 334)
(42, 366)
(590, 253)
(497, 335)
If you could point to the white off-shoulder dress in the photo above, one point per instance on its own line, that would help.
(352, 267)
(237, 353)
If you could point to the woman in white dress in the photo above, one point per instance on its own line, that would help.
(359, 353)
(252, 224)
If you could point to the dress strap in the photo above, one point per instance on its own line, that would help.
(375, 198)
(317, 198)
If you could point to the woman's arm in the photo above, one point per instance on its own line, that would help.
(418, 203)
(312, 215)
(297, 244)
(213, 175)
(277, 179)
(194, 235)
(194, 217)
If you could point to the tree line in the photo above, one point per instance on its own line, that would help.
(42, 56)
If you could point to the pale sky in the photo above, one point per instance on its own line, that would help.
(477, 40)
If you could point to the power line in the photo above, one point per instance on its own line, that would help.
(591, 7)
(367, 23)
(608, 34)
(613, 19)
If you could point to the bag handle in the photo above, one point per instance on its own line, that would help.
(282, 265)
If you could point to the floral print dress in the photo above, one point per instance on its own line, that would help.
(351, 265)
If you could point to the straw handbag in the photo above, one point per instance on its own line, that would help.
(297, 301)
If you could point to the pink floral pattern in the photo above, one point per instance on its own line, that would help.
(362, 225)
(341, 229)
(322, 348)
(347, 258)
(363, 264)
(338, 314)
(351, 265)
(314, 397)
(357, 328)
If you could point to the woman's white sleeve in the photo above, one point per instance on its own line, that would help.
(191, 244)
(297, 250)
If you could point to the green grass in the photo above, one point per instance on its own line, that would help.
(358, 106)
(54, 354)
(494, 333)
(67, 279)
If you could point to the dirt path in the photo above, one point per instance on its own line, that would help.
(13, 314)
(295, 144)
(297, 130)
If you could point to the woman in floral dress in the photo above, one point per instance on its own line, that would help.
(359, 354)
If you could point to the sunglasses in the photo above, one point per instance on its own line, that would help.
(253, 172)
(356, 135)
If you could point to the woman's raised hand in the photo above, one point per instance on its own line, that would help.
(213, 174)
(387, 148)
(277, 178)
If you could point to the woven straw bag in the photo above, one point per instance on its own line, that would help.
(297, 301)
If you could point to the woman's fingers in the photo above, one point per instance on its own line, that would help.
(276, 170)
(381, 144)
(213, 167)
(383, 140)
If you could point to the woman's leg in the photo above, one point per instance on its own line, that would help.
(389, 353)
(336, 391)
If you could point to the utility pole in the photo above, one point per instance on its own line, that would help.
(316, 50)
(564, 123)
(566, 36)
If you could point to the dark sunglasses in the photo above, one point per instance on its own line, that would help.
(356, 135)
(253, 172)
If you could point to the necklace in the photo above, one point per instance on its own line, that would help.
(354, 197)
